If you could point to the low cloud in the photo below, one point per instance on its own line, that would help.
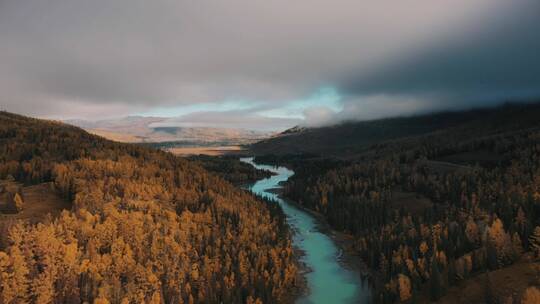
(317, 116)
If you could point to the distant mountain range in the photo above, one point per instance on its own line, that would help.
(140, 129)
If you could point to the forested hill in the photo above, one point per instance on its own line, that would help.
(449, 216)
(350, 138)
(143, 226)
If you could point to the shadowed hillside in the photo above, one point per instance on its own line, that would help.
(349, 138)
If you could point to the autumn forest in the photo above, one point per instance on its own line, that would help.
(444, 213)
(133, 225)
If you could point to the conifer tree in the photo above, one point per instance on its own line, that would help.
(18, 203)
(489, 292)
(534, 241)
(404, 286)
(436, 289)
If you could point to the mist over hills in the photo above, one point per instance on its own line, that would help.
(140, 129)
(352, 137)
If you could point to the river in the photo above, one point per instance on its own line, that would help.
(328, 281)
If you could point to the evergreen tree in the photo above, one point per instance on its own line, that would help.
(18, 203)
(404, 287)
(436, 285)
(492, 260)
(452, 272)
(534, 241)
(489, 292)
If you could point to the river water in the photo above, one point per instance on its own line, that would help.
(328, 281)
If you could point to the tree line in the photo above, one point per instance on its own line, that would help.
(231, 168)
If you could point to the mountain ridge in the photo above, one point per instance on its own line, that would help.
(351, 137)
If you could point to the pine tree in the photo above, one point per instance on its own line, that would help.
(492, 260)
(15, 203)
(4, 276)
(471, 231)
(452, 273)
(489, 292)
(534, 241)
(517, 247)
(436, 290)
(404, 286)
(18, 282)
(18, 202)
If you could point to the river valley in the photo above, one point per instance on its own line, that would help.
(328, 281)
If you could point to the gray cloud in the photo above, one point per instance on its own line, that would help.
(495, 63)
(89, 59)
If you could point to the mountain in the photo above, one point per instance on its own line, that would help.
(89, 220)
(435, 205)
(294, 130)
(137, 129)
(350, 138)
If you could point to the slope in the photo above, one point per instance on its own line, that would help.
(434, 215)
(144, 226)
(350, 138)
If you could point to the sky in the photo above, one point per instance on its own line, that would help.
(265, 64)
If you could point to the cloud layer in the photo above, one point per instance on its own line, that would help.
(89, 59)
(493, 63)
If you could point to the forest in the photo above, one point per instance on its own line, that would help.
(428, 212)
(230, 168)
(144, 226)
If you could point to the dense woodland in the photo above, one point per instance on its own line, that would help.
(231, 168)
(430, 211)
(144, 227)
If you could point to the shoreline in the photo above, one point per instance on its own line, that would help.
(301, 287)
(344, 255)
(343, 241)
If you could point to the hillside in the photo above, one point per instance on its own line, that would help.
(138, 225)
(350, 138)
(447, 215)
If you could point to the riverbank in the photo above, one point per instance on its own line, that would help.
(344, 241)
(330, 275)
(301, 288)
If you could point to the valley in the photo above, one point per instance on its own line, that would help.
(417, 215)
(166, 132)
(327, 278)
(430, 213)
(201, 150)
(269, 152)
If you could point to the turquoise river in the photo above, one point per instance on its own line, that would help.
(328, 281)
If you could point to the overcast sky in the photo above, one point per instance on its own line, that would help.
(247, 63)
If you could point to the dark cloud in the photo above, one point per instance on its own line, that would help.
(89, 59)
(495, 63)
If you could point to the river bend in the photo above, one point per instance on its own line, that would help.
(328, 281)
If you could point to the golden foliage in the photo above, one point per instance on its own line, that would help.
(143, 222)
